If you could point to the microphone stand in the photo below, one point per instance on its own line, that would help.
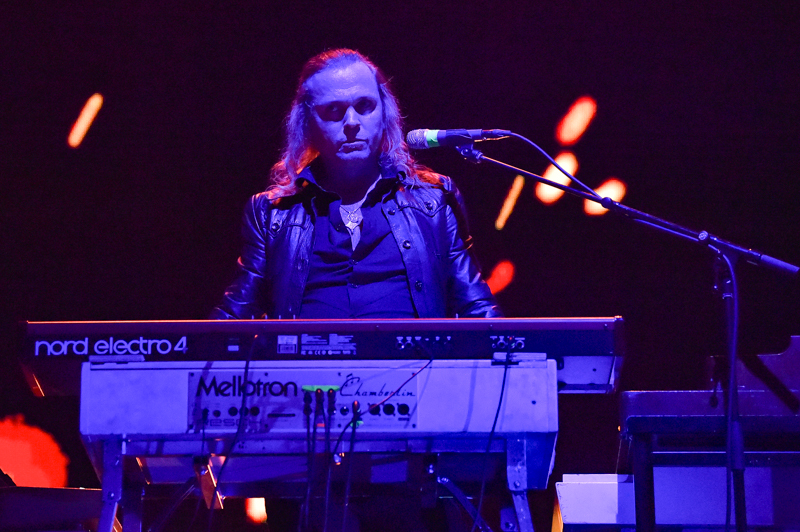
(727, 254)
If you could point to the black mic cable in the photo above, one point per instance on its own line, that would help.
(239, 429)
(328, 457)
(554, 163)
(319, 410)
(479, 521)
(350, 456)
(307, 411)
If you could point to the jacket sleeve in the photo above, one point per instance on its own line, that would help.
(245, 298)
(468, 295)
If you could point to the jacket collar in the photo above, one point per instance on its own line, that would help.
(306, 181)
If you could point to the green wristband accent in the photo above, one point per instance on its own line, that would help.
(430, 138)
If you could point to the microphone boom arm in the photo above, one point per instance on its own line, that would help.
(702, 237)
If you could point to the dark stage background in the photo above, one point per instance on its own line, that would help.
(698, 112)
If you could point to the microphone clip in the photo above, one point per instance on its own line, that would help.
(469, 152)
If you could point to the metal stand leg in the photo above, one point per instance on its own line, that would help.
(132, 506)
(739, 502)
(643, 487)
(112, 483)
(518, 451)
(524, 519)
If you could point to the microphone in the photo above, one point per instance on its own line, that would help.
(422, 139)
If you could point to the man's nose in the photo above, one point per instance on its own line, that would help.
(351, 117)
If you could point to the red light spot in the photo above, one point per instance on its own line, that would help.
(501, 276)
(256, 510)
(30, 456)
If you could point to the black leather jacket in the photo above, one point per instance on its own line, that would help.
(428, 223)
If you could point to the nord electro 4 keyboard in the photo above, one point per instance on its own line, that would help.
(588, 351)
(155, 396)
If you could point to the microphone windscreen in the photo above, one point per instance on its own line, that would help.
(416, 139)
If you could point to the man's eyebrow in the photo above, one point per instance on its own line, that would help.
(347, 100)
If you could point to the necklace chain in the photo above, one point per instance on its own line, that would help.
(353, 215)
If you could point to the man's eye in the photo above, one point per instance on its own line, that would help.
(365, 106)
(334, 112)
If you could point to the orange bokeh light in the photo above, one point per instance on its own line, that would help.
(510, 202)
(613, 188)
(501, 277)
(548, 194)
(577, 119)
(31, 456)
(85, 119)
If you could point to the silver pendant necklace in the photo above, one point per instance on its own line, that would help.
(353, 217)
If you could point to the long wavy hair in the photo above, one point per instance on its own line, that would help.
(298, 153)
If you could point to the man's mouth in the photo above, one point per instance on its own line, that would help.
(352, 145)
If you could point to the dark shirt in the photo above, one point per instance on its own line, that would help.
(369, 281)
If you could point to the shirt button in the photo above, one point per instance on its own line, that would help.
(428, 205)
(406, 244)
(392, 211)
(275, 226)
(418, 286)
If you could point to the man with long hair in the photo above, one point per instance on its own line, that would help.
(352, 226)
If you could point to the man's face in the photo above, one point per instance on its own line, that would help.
(346, 122)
